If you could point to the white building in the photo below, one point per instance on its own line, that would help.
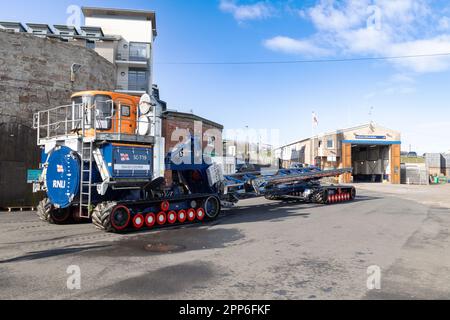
(131, 51)
(123, 37)
(12, 26)
(373, 151)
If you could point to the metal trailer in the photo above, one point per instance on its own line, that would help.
(103, 160)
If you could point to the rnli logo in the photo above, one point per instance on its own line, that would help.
(59, 184)
(60, 169)
(124, 157)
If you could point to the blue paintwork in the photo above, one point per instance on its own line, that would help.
(187, 153)
(63, 177)
(373, 143)
(126, 162)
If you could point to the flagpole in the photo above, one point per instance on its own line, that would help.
(313, 142)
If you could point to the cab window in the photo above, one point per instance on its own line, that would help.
(126, 111)
(103, 107)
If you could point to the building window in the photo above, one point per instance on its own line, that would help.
(330, 143)
(137, 80)
(90, 44)
(139, 51)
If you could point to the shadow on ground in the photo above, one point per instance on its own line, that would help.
(49, 254)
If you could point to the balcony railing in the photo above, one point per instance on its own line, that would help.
(137, 52)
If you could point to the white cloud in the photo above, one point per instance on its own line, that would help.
(375, 28)
(293, 46)
(397, 84)
(256, 11)
(444, 24)
(333, 18)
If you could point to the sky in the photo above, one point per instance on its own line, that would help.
(410, 95)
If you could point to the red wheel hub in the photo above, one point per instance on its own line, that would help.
(191, 214)
(165, 206)
(172, 217)
(120, 218)
(200, 214)
(150, 220)
(161, 218)
(138, 221)
(182, 216)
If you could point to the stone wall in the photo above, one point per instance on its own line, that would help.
(35, 74)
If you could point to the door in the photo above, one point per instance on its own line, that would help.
(125, 118)
(395, 163)
(346, 161)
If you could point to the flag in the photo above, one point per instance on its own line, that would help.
(124, 157)
(315, 119)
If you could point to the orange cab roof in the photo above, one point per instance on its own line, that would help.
(113, 95)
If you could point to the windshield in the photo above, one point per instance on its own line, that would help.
(101, 116)
(104, 111)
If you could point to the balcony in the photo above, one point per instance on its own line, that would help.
(137, 82)
(136, 55)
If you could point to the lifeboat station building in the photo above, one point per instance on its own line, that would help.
(373, 151)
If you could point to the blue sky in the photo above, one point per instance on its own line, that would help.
(410, 95)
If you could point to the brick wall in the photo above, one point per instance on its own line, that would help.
(173, 121)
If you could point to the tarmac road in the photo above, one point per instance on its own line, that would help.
(259, 250)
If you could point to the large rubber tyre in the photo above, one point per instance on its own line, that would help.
(101, 217)
(43, 210)
(321, 197)
(212, 208)
(60, 216)
(353, 194)
(273, 198)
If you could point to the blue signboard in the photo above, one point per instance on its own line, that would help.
(132, 162)
(368, 137)
(33, 175)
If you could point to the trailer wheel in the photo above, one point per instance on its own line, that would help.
(101, 217)
(60, 216)
(273, 198)
(43, 210)
(212, 208)
(353, 194)
(321, 197)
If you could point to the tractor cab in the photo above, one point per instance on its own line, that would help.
(100, 115)
(110, 113)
